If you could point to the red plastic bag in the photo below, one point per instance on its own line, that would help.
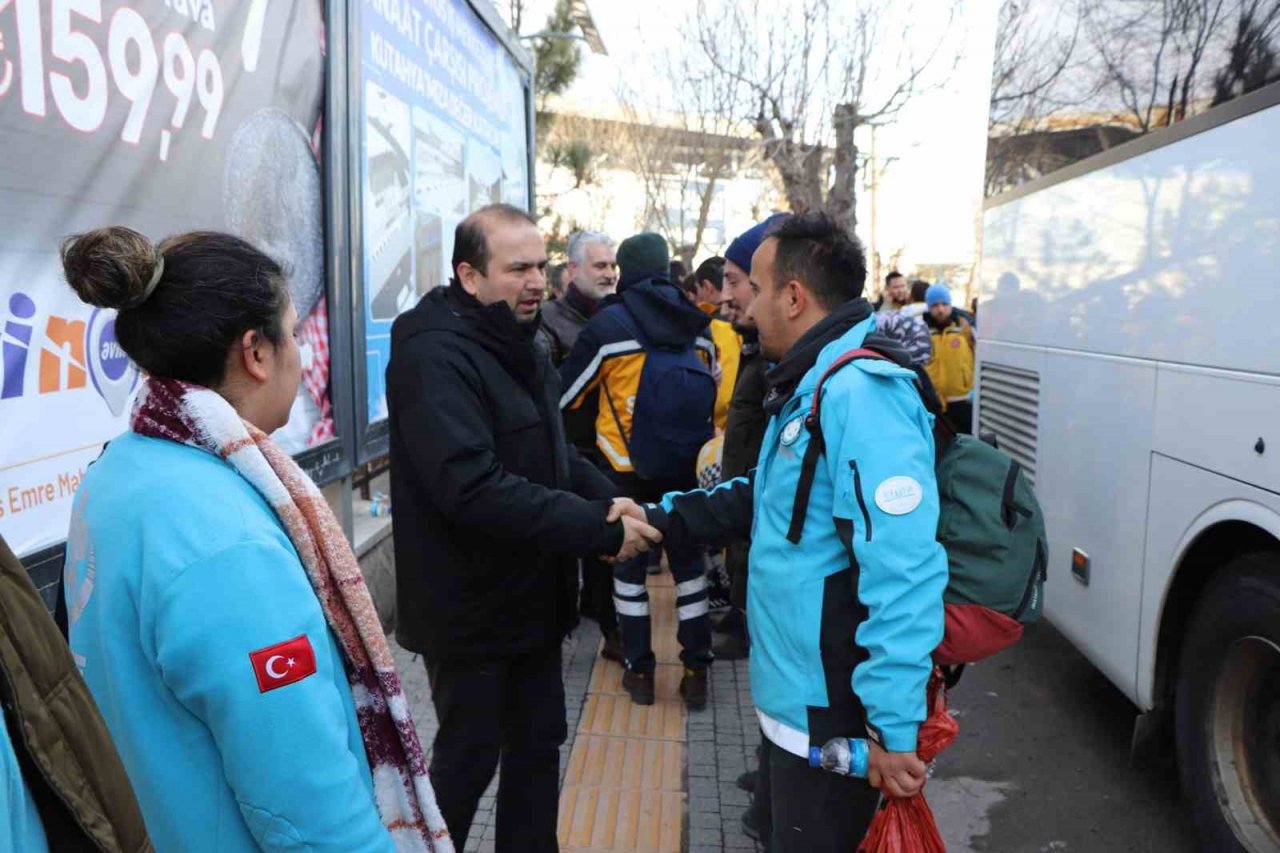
(907, 826)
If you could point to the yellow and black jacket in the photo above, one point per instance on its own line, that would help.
(728, 353)
(609, 356)
(952, 367)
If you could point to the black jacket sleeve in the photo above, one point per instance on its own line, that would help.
(712, 517)
(457, 462)
(589, 481)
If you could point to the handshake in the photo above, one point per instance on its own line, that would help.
(638, 535)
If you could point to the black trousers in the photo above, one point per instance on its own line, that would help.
(596, 601)
(815, 811)
(509, 712)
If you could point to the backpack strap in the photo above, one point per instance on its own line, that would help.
(817, 444)
(608, 398)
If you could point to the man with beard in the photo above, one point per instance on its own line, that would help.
(845, 602)
(593, 275)
(744, 429)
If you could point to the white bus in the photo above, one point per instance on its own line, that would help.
(1130, 360)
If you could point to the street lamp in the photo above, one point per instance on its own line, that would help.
(582, 18)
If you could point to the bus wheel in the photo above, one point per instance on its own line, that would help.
(1228, 708)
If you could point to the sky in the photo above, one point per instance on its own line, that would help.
(930, 197)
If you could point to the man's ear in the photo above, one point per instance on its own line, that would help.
(796, 299)
(467, 276)
(251, 346)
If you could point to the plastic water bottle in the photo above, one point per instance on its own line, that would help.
(846, 756)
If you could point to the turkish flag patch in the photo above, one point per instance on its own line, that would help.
(284, 663)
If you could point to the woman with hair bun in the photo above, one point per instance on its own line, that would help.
(217, 612)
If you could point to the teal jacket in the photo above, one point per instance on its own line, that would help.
(177, 570)
(20, 827)
(843, 623)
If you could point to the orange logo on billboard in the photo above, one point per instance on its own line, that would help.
(62, 361)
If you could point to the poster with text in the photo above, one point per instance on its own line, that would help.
(443, 131)
(166, 116)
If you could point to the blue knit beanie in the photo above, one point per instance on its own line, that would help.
(746, 243)
(937, 294)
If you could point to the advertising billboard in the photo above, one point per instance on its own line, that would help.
(166, 116)
(443, 129)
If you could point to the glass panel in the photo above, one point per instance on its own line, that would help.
(1073, 78)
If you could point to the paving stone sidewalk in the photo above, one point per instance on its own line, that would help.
(721, 744)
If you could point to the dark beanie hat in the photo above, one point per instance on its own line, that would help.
(642, 256)
(742, 248)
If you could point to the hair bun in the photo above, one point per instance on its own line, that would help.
(110, 267)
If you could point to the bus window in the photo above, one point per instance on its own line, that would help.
(1073, 78)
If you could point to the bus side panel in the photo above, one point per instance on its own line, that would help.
(1096, 420)
(1216, 420)
(1095, 423)
(1185, 502)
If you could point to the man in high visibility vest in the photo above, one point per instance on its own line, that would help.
(952, 367)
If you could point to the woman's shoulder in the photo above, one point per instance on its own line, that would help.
(179, 498)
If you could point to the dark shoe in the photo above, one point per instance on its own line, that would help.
(749, 780)
(693, 687)
(733, 645)
(612, 649)
(639, 685)
(733, 619)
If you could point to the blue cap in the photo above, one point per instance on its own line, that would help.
(937, 294)
(746, 243)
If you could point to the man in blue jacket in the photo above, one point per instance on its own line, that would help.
(845, 604)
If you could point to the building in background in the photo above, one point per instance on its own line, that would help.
(622, 170)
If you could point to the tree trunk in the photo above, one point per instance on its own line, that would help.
(704, 209)
(843, 199)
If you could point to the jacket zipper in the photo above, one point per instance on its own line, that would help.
(857, 490)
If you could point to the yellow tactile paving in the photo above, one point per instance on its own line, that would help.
(626, 764)
(596, 820)
(624, 788)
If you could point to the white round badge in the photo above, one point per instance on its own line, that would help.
(791, 431)
(899, 495)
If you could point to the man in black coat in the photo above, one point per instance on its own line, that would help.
(493, 509)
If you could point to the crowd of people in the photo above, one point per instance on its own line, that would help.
(228, 685)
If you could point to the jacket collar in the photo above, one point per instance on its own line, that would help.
(785, 377)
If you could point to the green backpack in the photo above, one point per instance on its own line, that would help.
(989, 523)
(992, 529)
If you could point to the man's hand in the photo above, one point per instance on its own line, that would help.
(897, 774)
(626, 507)
(638, 536)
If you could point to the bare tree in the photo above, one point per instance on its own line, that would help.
(1151, 54)
(1251, 57)
(811, 75)
(1037, 74)
(685, 143)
